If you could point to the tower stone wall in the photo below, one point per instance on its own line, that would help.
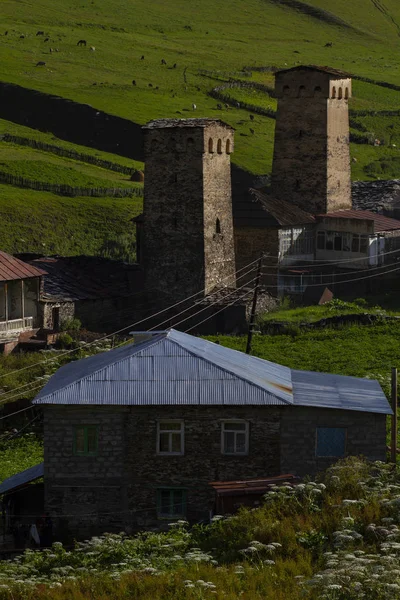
(187, 243)
(311, 163)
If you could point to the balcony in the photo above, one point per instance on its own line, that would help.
(16, 325)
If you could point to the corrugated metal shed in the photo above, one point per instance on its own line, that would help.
(174, 368)
(12, 268)
(22, 478)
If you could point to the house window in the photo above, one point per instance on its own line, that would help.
(171, 503)
(170, 437)
(235, 437)
(337, 242)
(219, 146)
(210, 145)
(363, 243)
(85, 440)
(321, 240)
(228, 146)
(329, 240)
(331, 442)
(217, 226)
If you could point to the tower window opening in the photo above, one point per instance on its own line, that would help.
(175, 223)
(333, 92)
(297, 186)
(302, 90)
(210, 145)
(175, 178)
(219, 146)
(286, 90)
(317, 90)
(346, 94)
(190, 143)
(300, 133)
(340, 93)
(217, 226)
(228, 146)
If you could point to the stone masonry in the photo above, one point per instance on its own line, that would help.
(116, 489)
(311, 163)
(188, 227)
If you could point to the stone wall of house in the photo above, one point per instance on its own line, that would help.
(127, 471)
(366, 436)
(85, 494)
(311, 163)
(117, 489)
(66, 312)
(187, 188)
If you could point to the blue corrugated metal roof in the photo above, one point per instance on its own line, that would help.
(22, 478)
(175, 368)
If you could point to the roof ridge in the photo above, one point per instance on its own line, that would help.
(208, 361)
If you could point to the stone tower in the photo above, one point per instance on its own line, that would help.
(187, 241)
(311, 164)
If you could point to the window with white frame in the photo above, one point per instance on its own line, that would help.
(235, 437)
(296, 241)
(170, 437)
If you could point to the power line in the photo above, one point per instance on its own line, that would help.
(130, 326)
(297, 267)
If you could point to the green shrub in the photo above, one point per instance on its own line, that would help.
(71, 325)
(65, 340)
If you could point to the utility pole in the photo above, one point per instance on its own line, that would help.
(393, 446)
(254, 306)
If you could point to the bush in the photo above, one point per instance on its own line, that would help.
(71, 325)
(65, 340)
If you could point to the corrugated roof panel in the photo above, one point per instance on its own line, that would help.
(12, 268)
(22, 478)
(174, 368)
(381, 223)
(338, 391)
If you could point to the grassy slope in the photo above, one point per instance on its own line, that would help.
(218, 36)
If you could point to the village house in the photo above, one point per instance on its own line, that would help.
(20, 285)
(135, 436)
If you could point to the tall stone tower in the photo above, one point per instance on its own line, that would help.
(311, 164)
(187, 244)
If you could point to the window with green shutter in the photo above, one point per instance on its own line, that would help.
(171, 503)
(85, 440)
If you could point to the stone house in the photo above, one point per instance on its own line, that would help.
(20, 285)
(134, 436)
(103, 294)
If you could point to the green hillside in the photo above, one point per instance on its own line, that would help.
(205, 44)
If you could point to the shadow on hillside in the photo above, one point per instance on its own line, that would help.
(68, 120)
(82, 124)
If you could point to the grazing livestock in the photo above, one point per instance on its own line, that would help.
(251, 117)
(133, 82)
(6, 33)
(41, 63)
(252, 131)
(46, 40)
(219, 106)
(92, 48)
(156, 88)
(142, 58)
(21, 37)
(51, 50)
(81, 43)
(227, 106)
(174, 67)
(237, 104)
(150, 85)
(329, 45)
(40, 33)
(163, 62)
(194, 107)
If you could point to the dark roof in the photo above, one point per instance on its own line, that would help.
(285, 213)
(88, 277)
(175, 368)
(250, 486)
(323, 69)
(22, 478)
(12, 268)
(164, 123)
(381, 223)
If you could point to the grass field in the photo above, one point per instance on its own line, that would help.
(220, 37)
